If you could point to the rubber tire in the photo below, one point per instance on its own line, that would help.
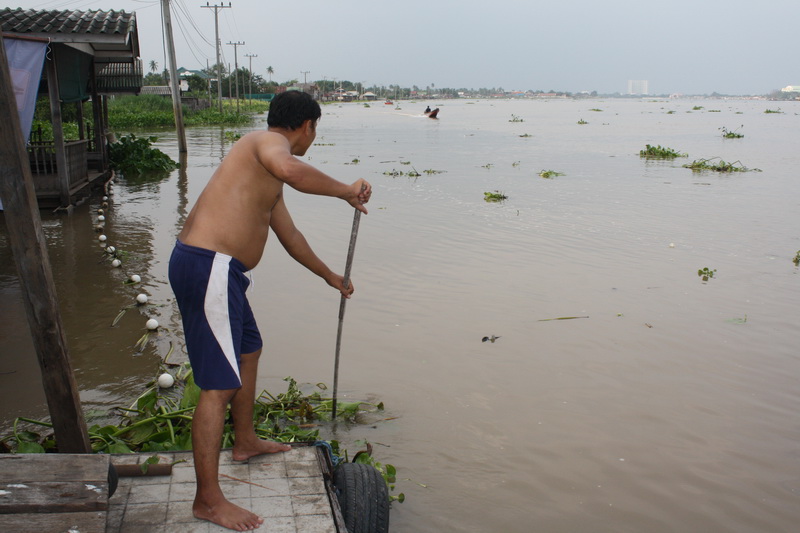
(363, 498)
(113, 480)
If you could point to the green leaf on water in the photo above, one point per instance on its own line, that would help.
(29, 447)
(562, 318)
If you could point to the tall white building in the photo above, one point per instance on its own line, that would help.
(637, 87)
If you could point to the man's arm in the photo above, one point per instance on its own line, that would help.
(278, 160)
(296, 245)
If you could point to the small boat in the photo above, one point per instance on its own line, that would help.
(432, 114)
(389, 102)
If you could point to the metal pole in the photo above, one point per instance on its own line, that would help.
(350, 252)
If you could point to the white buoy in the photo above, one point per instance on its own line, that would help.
(135, 278)
(152, 324)
(105, 198)
(141, 299)
(111, 250)
(116, 263)
(672, 245)
(102, 238)
(99, 211)
(101, 218)
(166, 380)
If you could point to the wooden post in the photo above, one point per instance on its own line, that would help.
(58, 131)
(173, 76)
(29, 248)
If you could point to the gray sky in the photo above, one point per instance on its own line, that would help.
(680, 46)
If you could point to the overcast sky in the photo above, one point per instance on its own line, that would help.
(679, 46)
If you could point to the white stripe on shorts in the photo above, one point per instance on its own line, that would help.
(216, 309)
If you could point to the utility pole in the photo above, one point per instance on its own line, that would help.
(216, 9)
(236, 46)
(305, 79)
(173, 76)
(250, 90)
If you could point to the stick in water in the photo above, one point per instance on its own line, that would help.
(350, 252)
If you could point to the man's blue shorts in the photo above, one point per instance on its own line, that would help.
(218, 323)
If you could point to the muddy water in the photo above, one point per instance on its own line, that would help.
(672, 407)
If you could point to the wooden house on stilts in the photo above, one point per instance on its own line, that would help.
(90, 55)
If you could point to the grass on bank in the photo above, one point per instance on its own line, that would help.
(146, 111)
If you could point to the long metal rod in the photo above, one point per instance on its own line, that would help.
(350, 252)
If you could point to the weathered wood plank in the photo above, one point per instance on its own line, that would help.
(23, 468)
(52, 497)
(89, 522)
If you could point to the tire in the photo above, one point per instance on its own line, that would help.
(363, 498)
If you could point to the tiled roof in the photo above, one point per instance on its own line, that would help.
(77, 22)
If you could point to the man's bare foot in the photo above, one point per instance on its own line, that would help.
(246, 450)
(228, 515)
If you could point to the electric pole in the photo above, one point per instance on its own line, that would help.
(236, 46)
(173, 76)
(250, 90)
(305, 79)
(216, 9)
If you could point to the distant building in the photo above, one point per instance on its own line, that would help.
(791, 89)
(637, 87)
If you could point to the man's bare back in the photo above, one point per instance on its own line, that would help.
(235, 211)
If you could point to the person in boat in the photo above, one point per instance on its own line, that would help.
(223, 238)
(428, 109)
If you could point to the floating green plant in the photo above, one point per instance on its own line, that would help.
(160, 419)
(515, 118)
(738, 320)
(728, 134)
(796, 259)
(775, 111)
(354, 162)
(596, 110)
(660, 152)
(550, 174)
(487, 165)
(233, 136)
(561, 318)
(705, 273)
(719, 166)
(581, 121)
(430, 171)
(495, 196)
(526, 135)
(697, 108)
(411, 173)
(670, 112)
(405, 162)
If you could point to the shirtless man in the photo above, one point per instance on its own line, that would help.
(224, 237)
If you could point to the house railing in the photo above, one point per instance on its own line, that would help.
(42, 157)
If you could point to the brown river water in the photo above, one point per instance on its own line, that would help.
(671, 405)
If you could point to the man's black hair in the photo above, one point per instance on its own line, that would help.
(290, 109)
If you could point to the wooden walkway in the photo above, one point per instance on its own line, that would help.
(70, 493)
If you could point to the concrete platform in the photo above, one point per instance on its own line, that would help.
(286, 489)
